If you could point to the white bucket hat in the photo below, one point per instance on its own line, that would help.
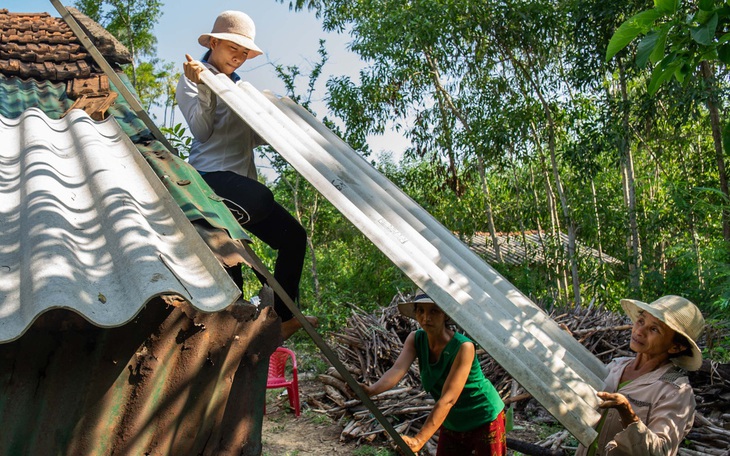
(233, 26)
(681, 315)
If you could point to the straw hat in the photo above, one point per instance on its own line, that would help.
(679, 314)
(408, 308)
(233, 26)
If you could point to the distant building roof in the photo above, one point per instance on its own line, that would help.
(518, 249)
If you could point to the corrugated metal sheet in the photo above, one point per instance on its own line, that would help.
(530, 248)
(86, 225)
(556, 369)
(17, 95)
(192, 194)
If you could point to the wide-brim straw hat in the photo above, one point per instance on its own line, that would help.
(408, 308)
(233, 26)
(681, 315)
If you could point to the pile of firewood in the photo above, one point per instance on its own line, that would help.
(370, 343)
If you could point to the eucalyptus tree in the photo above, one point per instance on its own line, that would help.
(684, 40)
(431, 67)
(591, 24)
(660, 121)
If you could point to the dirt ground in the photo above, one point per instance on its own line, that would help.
(316, 434)
(311, 434)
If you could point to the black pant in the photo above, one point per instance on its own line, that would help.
(253, 205)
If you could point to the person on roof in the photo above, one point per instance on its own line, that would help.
(648, 401)
(222, 152)
(469, 414)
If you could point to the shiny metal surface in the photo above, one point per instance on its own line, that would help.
(86, 225)
(548, 362)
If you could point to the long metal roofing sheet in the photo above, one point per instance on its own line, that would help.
(556, 369)
(86, 225)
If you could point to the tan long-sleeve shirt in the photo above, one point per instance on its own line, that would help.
(662, 399)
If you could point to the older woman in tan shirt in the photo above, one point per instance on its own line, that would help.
(648, 401)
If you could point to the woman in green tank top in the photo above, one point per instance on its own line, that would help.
(468, 409)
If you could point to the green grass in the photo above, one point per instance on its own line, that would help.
(372, 451)
(309, 356)
(321, 419)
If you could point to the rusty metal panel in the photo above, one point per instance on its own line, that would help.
(174, 381)
(86, 225)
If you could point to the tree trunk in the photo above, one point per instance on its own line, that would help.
(453, 179)
(545, 253)
(445, 100)
(692, 222)
(554, 220)
(488, 210)
(629, 189)
(315, 276)
(516, 186)
(310, 243)
(598, 221)
(709, 77)
(572, 257)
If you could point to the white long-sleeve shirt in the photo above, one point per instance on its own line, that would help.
(221, 140)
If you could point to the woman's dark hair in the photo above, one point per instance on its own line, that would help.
(681, 340)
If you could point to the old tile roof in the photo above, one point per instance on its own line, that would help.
(40, 46)
(530, 248)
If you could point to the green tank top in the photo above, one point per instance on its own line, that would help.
(479, 402)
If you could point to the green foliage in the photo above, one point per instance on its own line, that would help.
(629, 30)
(366, 450)
(179, 138)
(678, 38)
(132, 22)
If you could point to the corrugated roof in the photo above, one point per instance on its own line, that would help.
(530, 248)
(86, 225)
(192, 194)
(17, 95)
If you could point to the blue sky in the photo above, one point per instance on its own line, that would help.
(286, 37)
